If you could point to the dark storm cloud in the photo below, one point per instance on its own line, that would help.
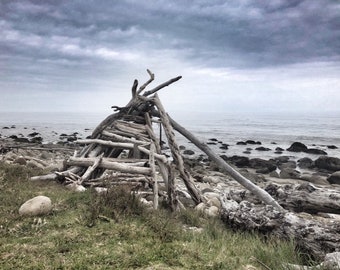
(237, 33)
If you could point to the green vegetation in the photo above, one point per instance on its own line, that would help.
(113, 231)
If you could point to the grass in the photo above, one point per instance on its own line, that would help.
(88, 231)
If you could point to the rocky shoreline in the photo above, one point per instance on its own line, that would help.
(315, 166)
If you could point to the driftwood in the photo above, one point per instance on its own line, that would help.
(316, 237)
(304, 197)
(124, 149)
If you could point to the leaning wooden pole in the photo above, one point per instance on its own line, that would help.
(260, 193)
(178, 160)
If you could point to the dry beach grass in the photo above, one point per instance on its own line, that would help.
(88, 231)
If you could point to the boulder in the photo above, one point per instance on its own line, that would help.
(332, 147)
(250, 142)
(290, 164)
(40, 205)
(282, 159)
(241, 143)
(262, 166)
(314, 179)
(334, 178)
(331, 164)
(289, 173)
(238, 161)
(212, 211)
(297, 147)
(305, 163)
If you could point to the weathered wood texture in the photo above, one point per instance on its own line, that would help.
(315, 236)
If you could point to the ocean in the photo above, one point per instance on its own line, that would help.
(271, 129)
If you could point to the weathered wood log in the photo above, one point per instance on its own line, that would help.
(121, 138)
(185, 175)
(86, 162)
(262, 194)
(304, 197)
(90, 169)
(315, 236)
(153, 176)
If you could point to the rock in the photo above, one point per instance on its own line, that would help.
(188, 152)
(297, 147)
(282, 159)
(305, 163)
(289, 173)
(224, 146)
(200, 207)
(279, 149)
(261, 148)
(331, 164)
(213, 140)
(20, 161)
(241, 143)
(334, 178)
(237, 160)
(278, 152)
(40, 205)
(315, 151)
(262, 166)
(76, 188)
(182, 147)
(246, 152)
(289, 164)
(214, 202)
(250, 142)
(331, 261)
(211, 179)
(33, 134)
(314, 179)
(36, 140)
(332, 147)
(274, 174)
(212, 211)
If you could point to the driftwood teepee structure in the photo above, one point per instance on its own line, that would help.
(124, 149)
(130, 129)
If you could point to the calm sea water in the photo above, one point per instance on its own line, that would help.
(273, 130)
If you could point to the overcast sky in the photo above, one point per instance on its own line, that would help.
(234, 56)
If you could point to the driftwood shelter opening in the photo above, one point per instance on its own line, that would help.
(125, 149)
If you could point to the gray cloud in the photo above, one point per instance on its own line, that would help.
(45, 43)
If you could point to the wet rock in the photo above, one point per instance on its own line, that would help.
(241, 143)
(224, 146)
(278, 152)
(40, 205)
(334, 178)
(297, 147)
(305, 163)
(211, 143)
(33, 134)
(279, 149)
(331, 164)
(36, 140)
(262, 166)
(262, 148)
(188, 152)
(332, 147)
(5, 128)
(250, 142)
(246, 152)
(315, 151)
(237, 161)
(182, 147)
(213, 140)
